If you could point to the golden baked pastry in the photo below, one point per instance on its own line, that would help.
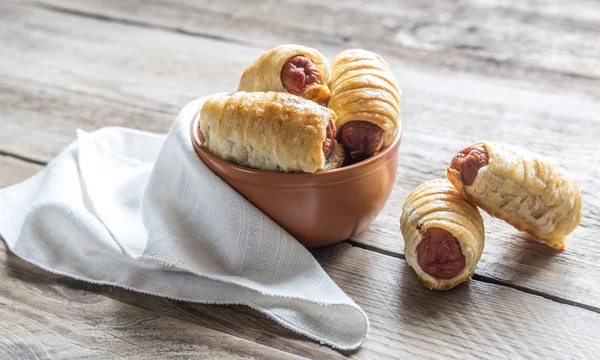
(528, 191)
(290, 68)
(443, 234)
(268, 131)
(366, 98)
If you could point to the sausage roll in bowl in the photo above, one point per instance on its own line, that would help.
(443, 234)
(528, 191)
(366, 97)
(270, 131)
(290, 68)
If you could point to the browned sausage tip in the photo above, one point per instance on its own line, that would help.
(361, 139)
(439, 254)
(298, 73)
(201, 136)
(468, 161)
(328, 143)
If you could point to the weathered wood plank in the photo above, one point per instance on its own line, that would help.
(44, 319)
(141, 77)
(478, 320)
(13, 170)
(96, 82)
(546, 43)
(70, 319)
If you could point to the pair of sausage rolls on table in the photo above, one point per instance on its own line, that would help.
(290, 68)
(443, 234)
(270, 131)
(529, 191)
(365, 95)
(442, 229)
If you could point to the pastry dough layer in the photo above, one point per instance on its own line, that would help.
(364, 88)
(437, 204)
(268, 131)
(527, 190)
(265, 72)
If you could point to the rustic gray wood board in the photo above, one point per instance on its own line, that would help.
(543, 45)
(53, 315)
(14, 170)
(45, 319)
(110, 82)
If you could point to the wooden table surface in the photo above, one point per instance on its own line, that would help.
(524, 72)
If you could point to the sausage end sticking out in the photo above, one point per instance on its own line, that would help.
(329, 137)
(439, 254)
(468, 161)
(298, 74)
(201, 136)
(361, 139)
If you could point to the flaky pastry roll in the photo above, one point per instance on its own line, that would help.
(366, 97)
(528, 191)
(268, 131)
(290, 68)
(443, 234)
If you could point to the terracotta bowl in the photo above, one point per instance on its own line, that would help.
(317, 209)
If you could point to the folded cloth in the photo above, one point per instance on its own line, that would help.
(141, 211)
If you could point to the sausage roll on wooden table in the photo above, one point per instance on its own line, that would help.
(366, 97)
(528, 191)
(270, 131)
(443, 234)
(290, 68)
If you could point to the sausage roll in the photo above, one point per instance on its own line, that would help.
(528, 191)
(268, 131)
(443, 234)
(366, 97)
(289, 68)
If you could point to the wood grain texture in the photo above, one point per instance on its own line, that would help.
(50, 316)
(55, 79)
(477, 320)
(551, 46)
(109, 82)
(46, 319)
(13, 170)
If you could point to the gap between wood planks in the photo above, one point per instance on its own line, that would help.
(485, 279)
(23, 158)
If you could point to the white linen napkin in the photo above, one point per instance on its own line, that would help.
(141, 211)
